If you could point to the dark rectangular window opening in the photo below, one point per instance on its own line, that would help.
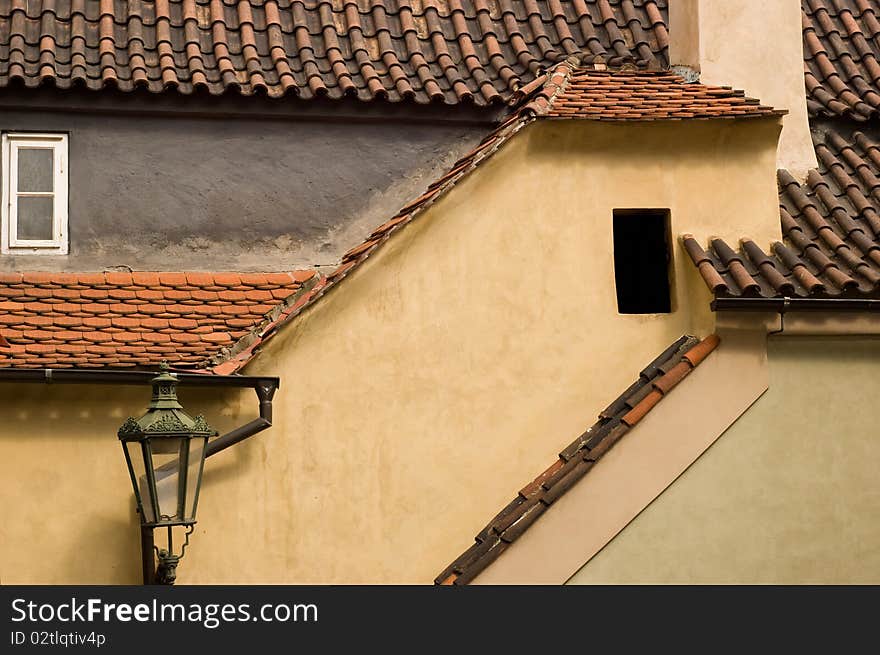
(641, 261)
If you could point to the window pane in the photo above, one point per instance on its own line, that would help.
(35, 169)
(196, 448)
(136, 457)
(35, 218)
(167, 453)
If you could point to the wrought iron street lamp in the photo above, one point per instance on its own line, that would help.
(165, 453)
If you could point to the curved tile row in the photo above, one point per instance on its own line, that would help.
(830, 227)
(430, 50)
(842, 57)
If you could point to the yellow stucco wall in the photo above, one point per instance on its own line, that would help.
(67, 513)
(422, 391)
(788, 495)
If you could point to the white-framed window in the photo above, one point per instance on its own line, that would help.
(34, 196)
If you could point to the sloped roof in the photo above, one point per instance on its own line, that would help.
(448, 51)
(578, 458)
(641, 96)
(831, 223)
(831, 230)
(842, 57)
(126, 320)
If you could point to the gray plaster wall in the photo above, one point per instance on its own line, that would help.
(183, 193)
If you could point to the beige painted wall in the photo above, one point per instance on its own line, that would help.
(480, 341)
(424, 390)
(641, 466)
(788, 495)
(755, 46)
(67, 513)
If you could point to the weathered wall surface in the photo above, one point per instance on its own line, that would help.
(67, 513)
(765, 58)
(447, 370)
(160, 193)
(474, 346)
(788, 495)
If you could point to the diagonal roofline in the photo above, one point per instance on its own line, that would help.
(533, 102)
(624, 414)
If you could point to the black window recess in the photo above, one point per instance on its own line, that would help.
(641, 260)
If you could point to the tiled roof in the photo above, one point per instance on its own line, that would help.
(427, 50)
(639, 96)
(424, 50)
(831, 224)
(48, 317)
(831, 233)
(842, 57)
(123, 320)
(576, 460)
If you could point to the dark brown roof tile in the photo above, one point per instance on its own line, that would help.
(831, 230)
(452, 51)
(584, 464)
(841, 53)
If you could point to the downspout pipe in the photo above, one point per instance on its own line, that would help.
(265, 391)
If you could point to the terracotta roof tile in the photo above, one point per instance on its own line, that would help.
(579, 457)
(50, 319)
(584, 93)
(830, 227)
(451, 51)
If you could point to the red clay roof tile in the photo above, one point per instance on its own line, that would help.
(582, 93)
(57, 317)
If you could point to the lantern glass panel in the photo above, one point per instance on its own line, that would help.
(194, 474)
(134, 453)
(167, 454)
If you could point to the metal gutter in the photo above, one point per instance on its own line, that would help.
(782, 305)
(265, 388)
(97, 376)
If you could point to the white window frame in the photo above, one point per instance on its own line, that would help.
(12, 142)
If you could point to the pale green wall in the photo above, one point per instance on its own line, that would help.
(789, 493)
